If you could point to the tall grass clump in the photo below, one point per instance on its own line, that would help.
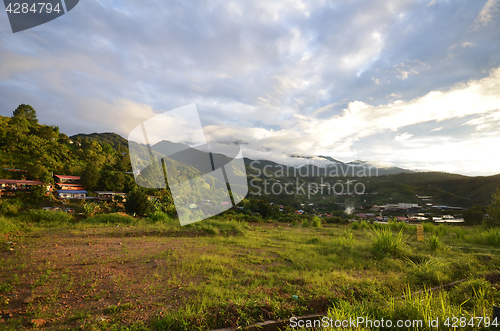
(442, 230)
(460, 232)
(385, 242)
(429, 228)
(355, 225)
(48, 216)
(398, 225)
(316, 222)
(344, 310)
(113, 218)
(215, 227)
(490, 237)
(159, 217)
(306, 223)
(476, 294)
(433, 271)
(434, 243)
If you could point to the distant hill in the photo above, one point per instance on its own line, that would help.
(353, 168)
(391, 184)
(478, 189)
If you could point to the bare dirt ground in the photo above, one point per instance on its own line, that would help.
(58, 279)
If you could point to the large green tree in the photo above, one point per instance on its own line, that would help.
(90, 176)
(137, 202)
(475, 214)
(26, 112)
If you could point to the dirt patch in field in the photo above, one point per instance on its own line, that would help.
(56, 280)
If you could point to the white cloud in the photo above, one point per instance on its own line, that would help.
(487, 13)
(486, 122)
(360, 121)
(402, 137)
(404, 69)
(394, 95)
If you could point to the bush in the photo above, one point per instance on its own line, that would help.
(137, 202)
(384, 242)
(316, 222)
(38, 216)
(356, 225)
(306, 223)
(10, 207)
(7, 225)
(159, 217)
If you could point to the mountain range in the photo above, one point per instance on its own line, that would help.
(390, 183)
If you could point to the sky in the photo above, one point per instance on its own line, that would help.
(408, 83)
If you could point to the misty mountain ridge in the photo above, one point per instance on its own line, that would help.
(458, 189)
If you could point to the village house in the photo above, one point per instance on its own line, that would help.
(72, 194)
(11, 186)
(68, 183)
(108, 196)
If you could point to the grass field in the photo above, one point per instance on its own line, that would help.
(114, 272)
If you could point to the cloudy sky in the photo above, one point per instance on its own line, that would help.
(404, 82)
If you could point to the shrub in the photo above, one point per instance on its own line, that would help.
(10, 207)
(316, 222)
(159, 217)
(355, 225)
(306, 223)
(8, 226)
(90, 208)
(38, 216)
(313, 241)
(384, 242)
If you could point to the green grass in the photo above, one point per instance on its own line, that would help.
(434, 243)
(489, 237)
(386, 242)
(225, 272)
